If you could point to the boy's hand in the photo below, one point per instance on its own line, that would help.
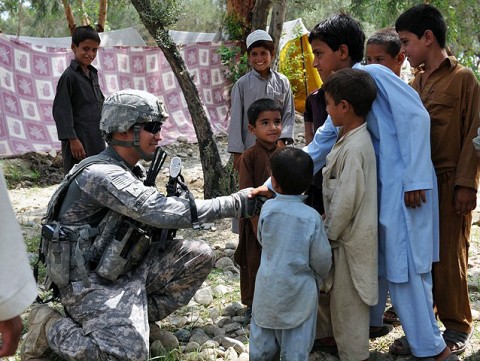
(10, 331)
(414, 199)
(465, 200)
(77, 149)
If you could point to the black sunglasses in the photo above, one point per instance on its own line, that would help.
(152, 127)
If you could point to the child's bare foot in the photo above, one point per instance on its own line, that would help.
(445, 355)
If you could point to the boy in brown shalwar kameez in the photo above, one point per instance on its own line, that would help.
(265, 123)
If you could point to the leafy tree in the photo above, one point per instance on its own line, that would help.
(462, 17)
(200, 16)
(157, 16)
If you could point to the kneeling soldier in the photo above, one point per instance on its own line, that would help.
(111, 275)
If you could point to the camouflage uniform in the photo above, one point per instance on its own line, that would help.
(109, 320)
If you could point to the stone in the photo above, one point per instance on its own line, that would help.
(244, 356)
(177, 321)
(210, 344)
(157, 349)
(199, 336)
(214, 330)
(228, 342)
(222, 321)
(214, 313)
(204, 296)
(233, 309)
(192, 346)
(231, 244)
(224, 263)
(182, 139)
(231, 355)
(168, 340)
(183, 335)
(232, 327)
(220, 290)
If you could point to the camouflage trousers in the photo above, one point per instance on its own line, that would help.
(110, 320)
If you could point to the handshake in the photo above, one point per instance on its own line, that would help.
(245, 206)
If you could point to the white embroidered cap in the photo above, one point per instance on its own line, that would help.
(258, 35)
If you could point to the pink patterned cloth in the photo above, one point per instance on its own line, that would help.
(29, 76)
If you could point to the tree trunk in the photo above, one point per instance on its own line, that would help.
(276, 26)
(242, 10)
(260, 14)
(217, 179)
(69, 16)
(102, 15)
(85, 17)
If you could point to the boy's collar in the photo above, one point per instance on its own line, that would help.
(76, 66)
(449, 62)
(259, 75)
(266, 145)
(291, 197)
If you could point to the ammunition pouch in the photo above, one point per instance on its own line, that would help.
(66, 250)
(56, 248)
(124, 251)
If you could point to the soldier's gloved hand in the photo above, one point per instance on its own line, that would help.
(260, 202)
(244, 207)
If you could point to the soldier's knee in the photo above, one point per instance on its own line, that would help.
(203, 252)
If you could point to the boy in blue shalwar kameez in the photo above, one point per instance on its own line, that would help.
(295, 255)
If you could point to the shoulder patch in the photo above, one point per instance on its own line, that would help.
(134, 189)
(121, 181)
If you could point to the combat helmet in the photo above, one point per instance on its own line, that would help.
(129, 108)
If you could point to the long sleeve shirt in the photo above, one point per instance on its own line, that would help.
(350, 199)
(451, 95)
(295, 252)
(246, 90)
(18, 287)
(77, 108)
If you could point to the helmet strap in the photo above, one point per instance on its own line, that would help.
(135, 144)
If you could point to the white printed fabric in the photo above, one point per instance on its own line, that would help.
(29, 76)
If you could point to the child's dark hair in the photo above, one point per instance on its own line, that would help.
(341, 29)
(388, 38)
(82, 33)
(262, 105)
(353, 85)
(269, 45)
(421, 18)
(292, 168)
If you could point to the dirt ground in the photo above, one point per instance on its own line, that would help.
(30, 204)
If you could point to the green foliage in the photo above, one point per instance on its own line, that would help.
(311, 11)
(235, 65)
(293, 66)
(292, 69)
(471, 60)
(46, 18)
(164, 12)
(200, 16)
(233, 57)
(234, 28)
(462, 17)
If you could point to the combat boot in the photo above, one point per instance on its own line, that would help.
(35, 345)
